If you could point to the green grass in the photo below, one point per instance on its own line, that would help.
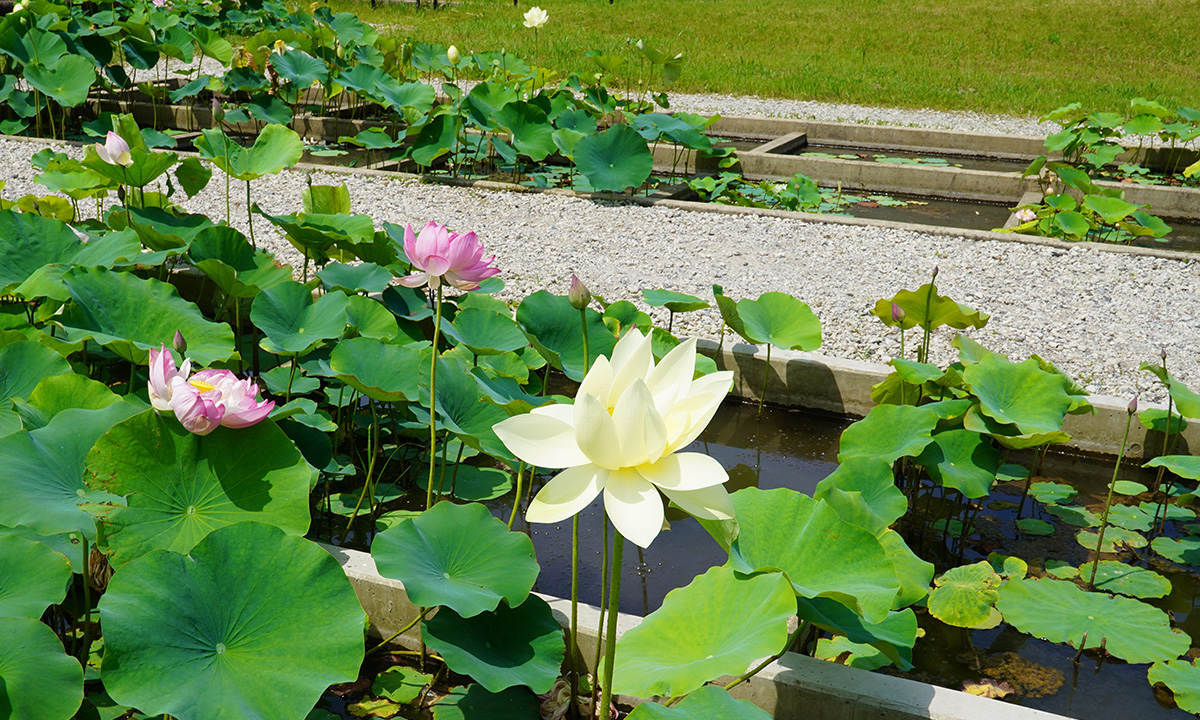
(1022, 57)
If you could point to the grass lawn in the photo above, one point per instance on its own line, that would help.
(1022, 57)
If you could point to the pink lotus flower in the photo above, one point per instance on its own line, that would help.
(114, 151)
(442, 255)
(206, 399)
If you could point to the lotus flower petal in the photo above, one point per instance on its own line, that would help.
(684, 472)
(634, 506)
(540, 440)
(710, 503)
(567, 493)
(596, 433)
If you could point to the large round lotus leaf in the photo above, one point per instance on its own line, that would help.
(251, 623)
(369, 318)
(707, 703)
(32, 577)
(894, 637)
(474, 702)
(1185, 466)
(67, 80)
(719, 624)
(1060, 612)
(1114, 537)
(38, 681)
(615, 159)
(532, 134)
(781, 320)
(965, 595)
(292, 322)
(459, 556)
(1182, 677)
(499, 649)
(275, 148)
(131, 315)
(924, 308)
(962, 460)
(889, 432)
(29, 242)
(1130, 517)
(180, 486)
(1020, 394)
(556, 332)
(676, 302)
(25, 364)
(42, 476)
(864, 493)
(822, 555)
(1074, 515)
(1128, 580)
(1184, 550)
(63, 392)
(240, 271)
(1010, 436)
(380, 370)
(484, 332)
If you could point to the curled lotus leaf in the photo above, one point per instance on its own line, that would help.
(965, 596)
(1019, 394)
(925, 308)
(863, 491)
(962, 460)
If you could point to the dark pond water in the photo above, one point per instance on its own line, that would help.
(909, 157)
(939, 212)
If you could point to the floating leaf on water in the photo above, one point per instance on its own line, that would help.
(1129, 580)
(1074, 515)
(707, 703)
(1052, 493)
(400, 684)
(841, 650)
(964, 596)
(1061, 569)
(1182, 676)
(988, 688)
(1033, 526)
(474, 702)
(1184, 550)
(1173, 512)
(1008, 566)
(1130, 517)
(1060, 612)
(1114, 537)
(374, 708)
(1129, 487)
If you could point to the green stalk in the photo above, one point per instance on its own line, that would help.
(614, 608)
(574, 634)
(603, 598)
(87, 603)
(517, 495)
(250, 217)
(766, 376)
(437, 329)
(800, 627)
(1108, 502)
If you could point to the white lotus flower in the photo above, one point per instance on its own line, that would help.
(1025, 215)
(622, 437)
(536, 17)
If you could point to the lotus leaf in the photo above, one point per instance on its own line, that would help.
(1184, 550)
(863, 491)
(1020, 394)
(380, 370)
(1185, 466)
(779, 319)
(1129, 487)
(471, 483)
(476, 703)
(32, 577)
(673, 301)
(926, 309)
(1052, 493)
(1130, 518)
(23, 366)
(822, 555)
(1008, 566)
(1187, 402)
(894, 637)
(400, 684)
(1114, 537)
(1182, 677)
(485, 332)
(67, 80)
(458, 556)
(1155, 419)
(615, 159)
(1062, 613)
(707, 703)
(1033, 526)
(29, 242)
(363, 277)
(369, 318)
(1138, 582)
(965, 596)
(532, 134)
(913, 573)
(962, 460)
(500, 649)
(554, 328)
(250, 623)
(238, 270)
(719, 624)
(276, 147)
(38, 680)
(293, 322)
(889, 432)
(181, 486)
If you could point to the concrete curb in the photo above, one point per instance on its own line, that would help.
(796, 687)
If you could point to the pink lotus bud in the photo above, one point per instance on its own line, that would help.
(218, 112)
(579, 295)
(897, 313)
(439, 254)
(114, 151)
(935, 271)
(179, 343)
(1132, 405)
(1162, 352)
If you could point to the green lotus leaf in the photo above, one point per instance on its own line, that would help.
(369, 318)
(915, 372)
(965, 596)
(458, 556)
(1114, 537)
(363, 277)
(251, 622)
(913, 573)
(1185, 466)
(180, 487)
(1138, 582)
(626, 315)
(962, 460)
(66, 544)
(1033, 526)
(1172, 512)
(30, 242)
(1020, 394)
(293, 322)
(276, 147)
(1061, 569)
(67, 80)
(926, 309)
(707, 703)
(1182, 677)
(1010, 436)
(476, 703)
(1129, 487)
(160, 229)
(822, 555)
(486, 99)
(299, 68)
(894, 637)
(131, 315)
(32, 577)
(864, 493)
(471, 483)
(532, 134)
(719, 624)
(500, 649)
(615, 159)
(380, 370)
(462, 409)
(1052, 493)
(238, 270)
(400, 684)
(1155, 420)
(1110, 209)
(1060, 612)
(555, 330)
(484, 332)
(840, 650)
(675, 302)
(781, 320)
(1187, 401)
(1130, 518)
(38, 680)
(1184, 550)
(1077, 393)
(62, 392)
(42, 480)
(23, 365)
(1008, 566)
(437, 138)
(889, 432)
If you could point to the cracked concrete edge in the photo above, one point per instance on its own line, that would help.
(820, 382)
(795, 687)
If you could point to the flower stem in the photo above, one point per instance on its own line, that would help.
(437, 329)
(517, 495)
(250, 217)
(573, 665)
(758, 668)
(766, 376)
(1108, 503)
(610, 635)
(401, 631)
(603, 598)
(87, 602)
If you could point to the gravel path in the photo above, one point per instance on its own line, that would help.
(1096, 314)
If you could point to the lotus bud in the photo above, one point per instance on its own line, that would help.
(218, 112)
(1132, 405)
(1162, 352)
(179, 343)
(579, 295)
(935, 271)
(897, 313)
(452, 55)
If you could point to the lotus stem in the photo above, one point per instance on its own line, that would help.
(517, 495)
(437, 329)
(800, 627)
(1108, 502)
(766, 376)
(603, 599)
(401, 631)
(372, 450)
(1037, 468)
(250, 217)
(614, 610)
(87, 603)
(573, 645)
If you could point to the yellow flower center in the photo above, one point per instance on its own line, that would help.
(201, 385)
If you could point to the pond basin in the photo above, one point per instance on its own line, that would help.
(901, 156)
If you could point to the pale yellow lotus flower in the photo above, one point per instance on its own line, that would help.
(622, 437)
(536, 17)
